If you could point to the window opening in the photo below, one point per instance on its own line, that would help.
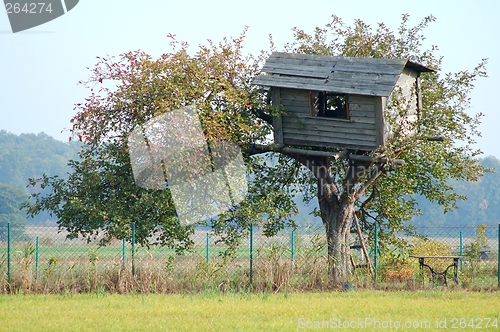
(330, 105)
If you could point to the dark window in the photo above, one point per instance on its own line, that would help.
(330, 105)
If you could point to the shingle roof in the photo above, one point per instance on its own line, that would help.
(364, 76)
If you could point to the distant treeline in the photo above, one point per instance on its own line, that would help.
(482, 205)
(30, 156)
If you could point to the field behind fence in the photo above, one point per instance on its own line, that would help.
(41, 259)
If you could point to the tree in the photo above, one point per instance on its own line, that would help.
(11, 199)
(383, 194)
(101, 196)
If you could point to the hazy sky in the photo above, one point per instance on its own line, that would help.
(40, 68)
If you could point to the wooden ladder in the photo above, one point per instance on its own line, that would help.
(361, 246)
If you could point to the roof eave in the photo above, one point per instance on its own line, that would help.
(418, 67)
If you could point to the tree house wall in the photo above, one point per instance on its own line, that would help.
(362, 131)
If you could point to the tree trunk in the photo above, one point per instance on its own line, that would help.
(336, 204)
(336, 216)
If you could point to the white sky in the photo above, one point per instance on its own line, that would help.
(40, 67)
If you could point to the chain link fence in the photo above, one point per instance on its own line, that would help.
(41, 259)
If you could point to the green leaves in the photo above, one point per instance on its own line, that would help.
(101, 196)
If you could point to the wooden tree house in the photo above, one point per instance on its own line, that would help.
(338, 102)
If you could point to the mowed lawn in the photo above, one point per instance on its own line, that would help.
(353, 310)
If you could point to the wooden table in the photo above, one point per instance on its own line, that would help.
(436, 274)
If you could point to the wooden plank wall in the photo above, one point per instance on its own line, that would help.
(300, 128)
(406, 84)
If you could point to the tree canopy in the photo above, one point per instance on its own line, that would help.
(101, 195)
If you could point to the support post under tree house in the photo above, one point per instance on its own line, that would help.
(338, 102)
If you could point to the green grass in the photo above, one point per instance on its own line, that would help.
(243, 311)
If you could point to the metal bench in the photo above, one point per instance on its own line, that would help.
(436, 274)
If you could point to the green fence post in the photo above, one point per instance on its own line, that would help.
(36, 258)
(124, 251)
(251, 254)
(206, 249)
(293, 246)
(8, 252)
(498, 255)
(375, 253)
(461, 249)
(133, 248)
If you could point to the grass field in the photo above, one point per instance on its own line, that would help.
(354, 310)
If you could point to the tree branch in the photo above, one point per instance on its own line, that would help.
(264, 116)
(368, 200)
(370, 181)
(294, 152)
